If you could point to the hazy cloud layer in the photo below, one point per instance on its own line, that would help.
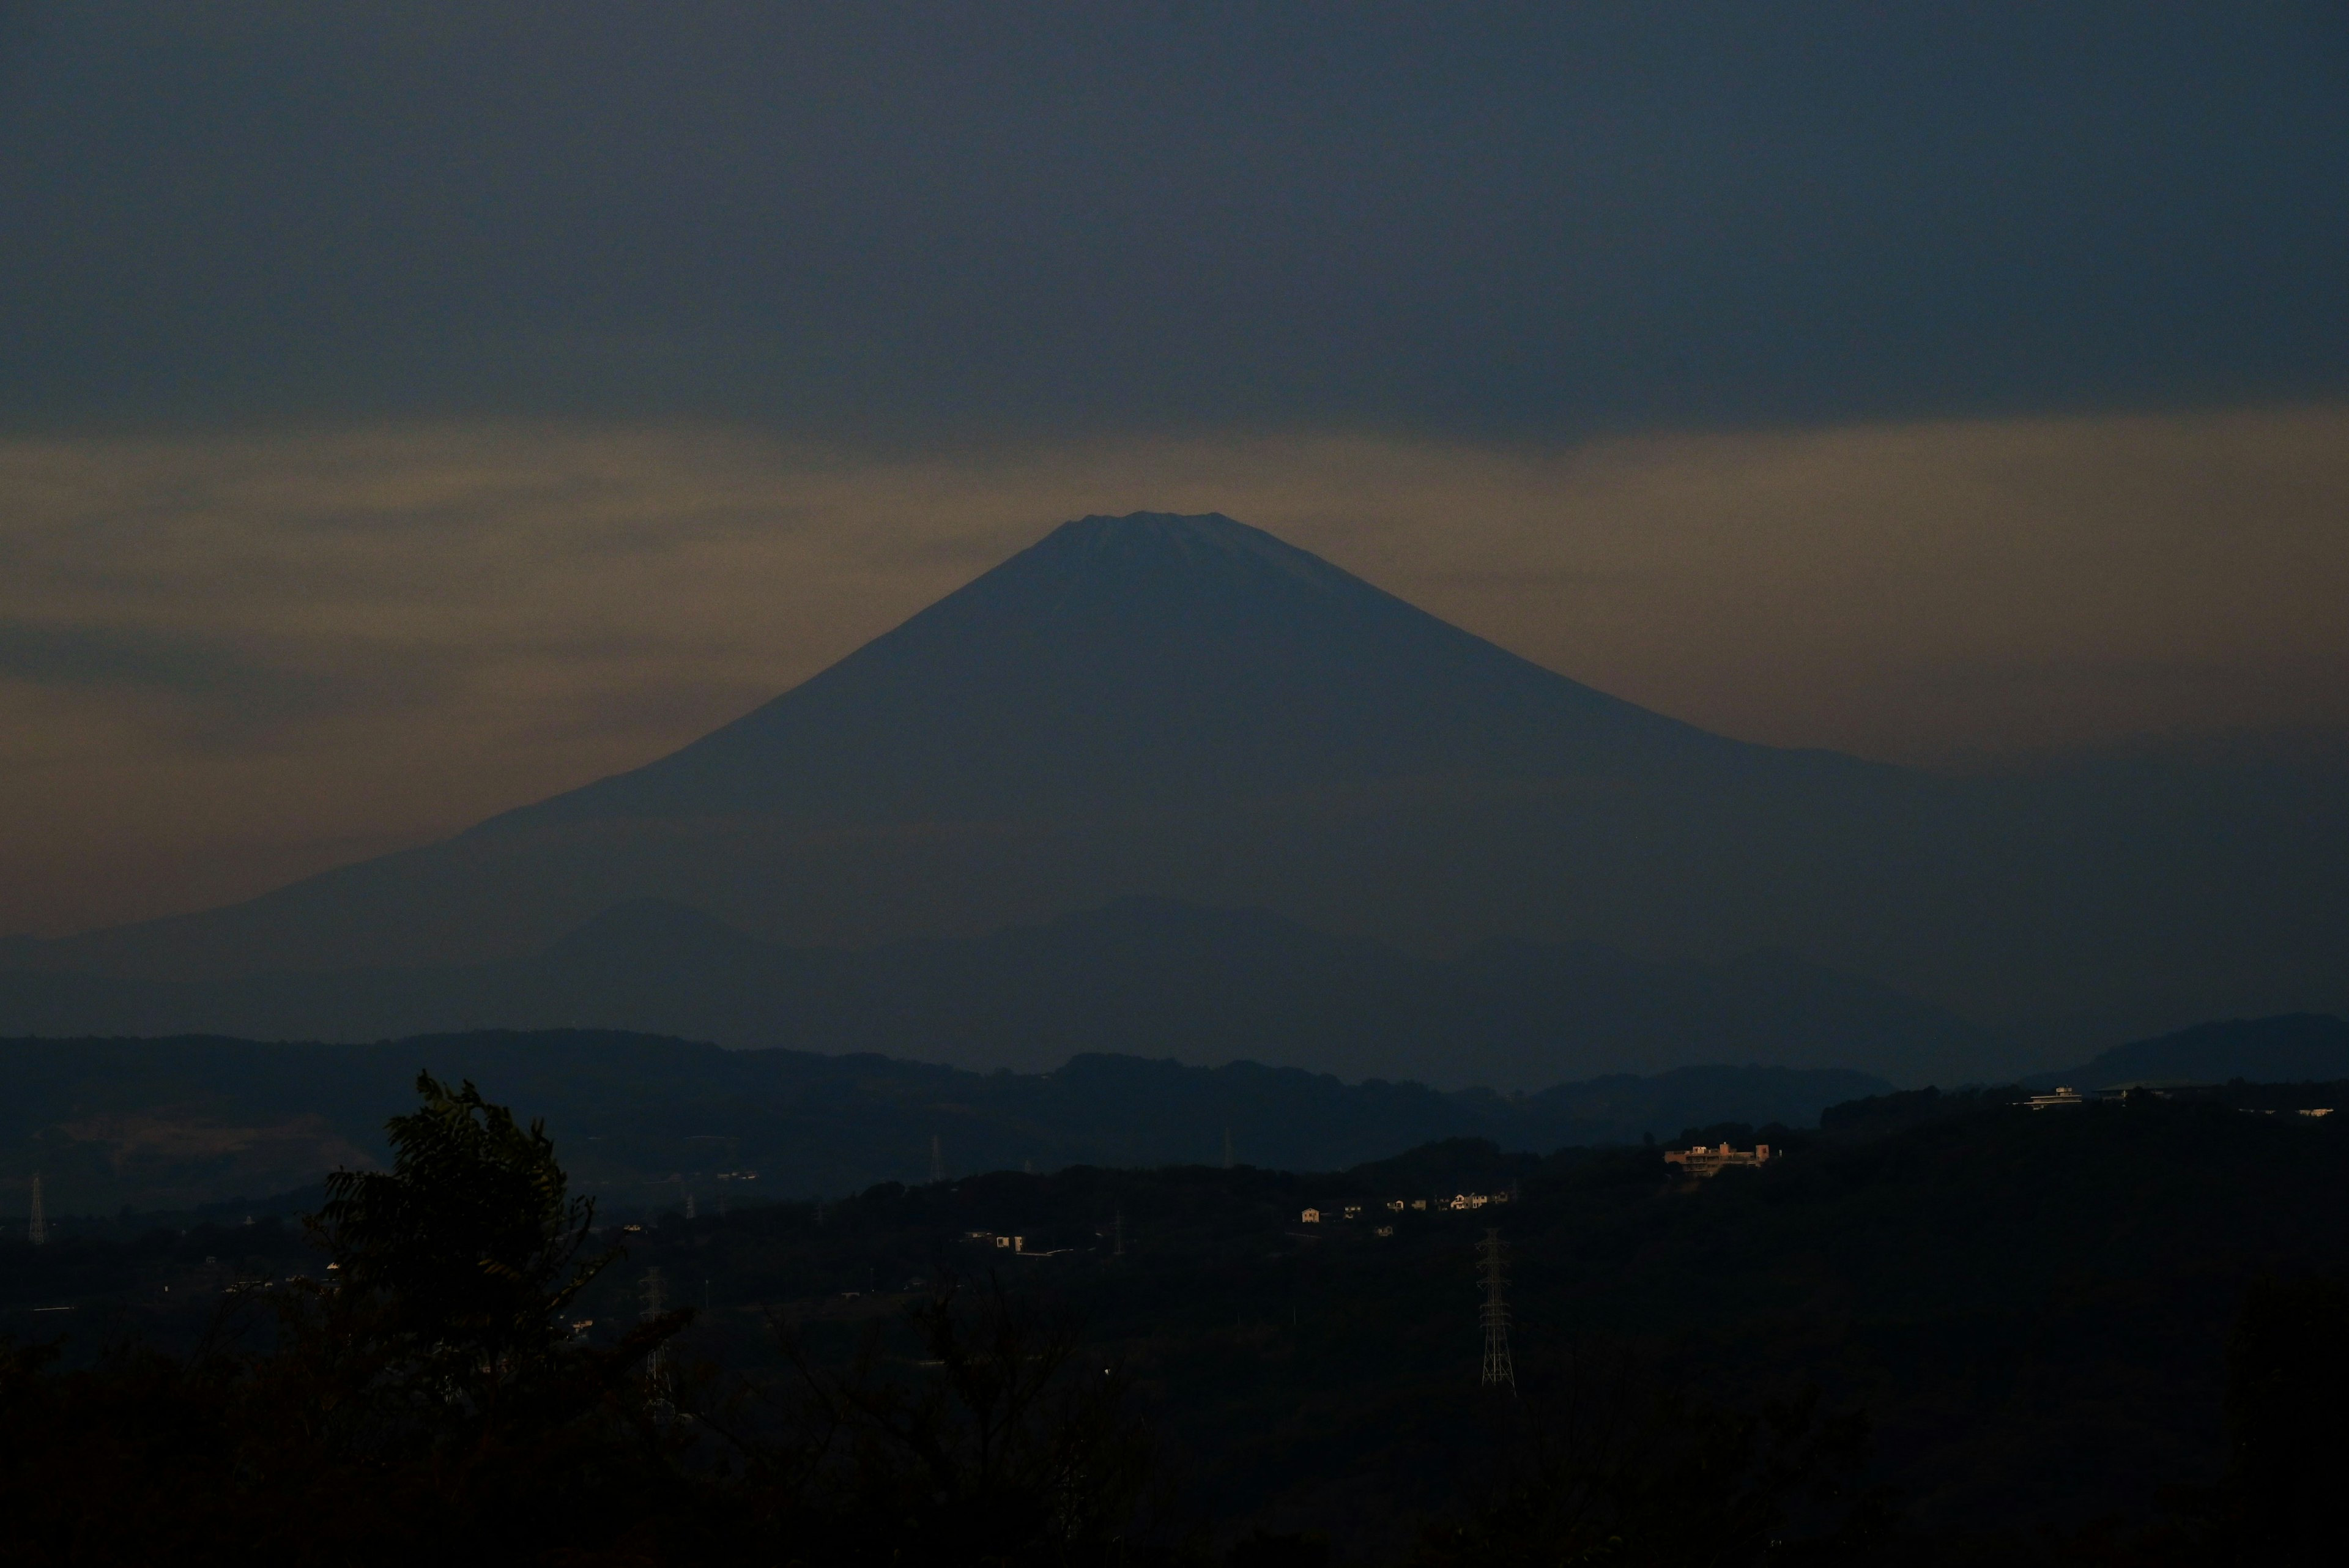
(224, 661)
(908, 218)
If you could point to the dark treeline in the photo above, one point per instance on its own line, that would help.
(429, 1392)
(1943, 1329)
(427, 1395)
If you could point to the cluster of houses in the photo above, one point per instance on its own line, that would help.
(1016, 1244)
(1698, 1160)
(2070, 1097)
(1458, 1202)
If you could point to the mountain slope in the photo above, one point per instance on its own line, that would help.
(1137, 661)
(1186, 709)
(1182, 706)
(2304, 1048)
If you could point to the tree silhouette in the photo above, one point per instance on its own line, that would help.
(469, 1240)
(1017, 1449)
(425, 1398)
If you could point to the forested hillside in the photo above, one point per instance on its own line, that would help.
(1986, 1329)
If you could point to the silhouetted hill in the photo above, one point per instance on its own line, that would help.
(1186, 708)
(2032, 1310)
(642, 1119)
(2294, 1048)
(1140, 977)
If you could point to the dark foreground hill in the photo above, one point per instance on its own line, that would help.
(1186, 708)
(2031, 1310)
(1142, 978)
(647, 1121)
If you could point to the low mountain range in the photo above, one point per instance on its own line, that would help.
(1187, 708)
(641, 1120)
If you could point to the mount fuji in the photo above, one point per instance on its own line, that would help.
(1187, 707)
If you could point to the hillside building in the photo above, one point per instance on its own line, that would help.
(1702, 1161)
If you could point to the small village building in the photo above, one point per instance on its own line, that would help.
(1702, 1161)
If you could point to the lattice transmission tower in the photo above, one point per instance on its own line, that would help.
(653, 1292)
(1492, 1270)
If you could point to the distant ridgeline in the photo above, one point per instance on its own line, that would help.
(2293, 1048)
(644, 1119)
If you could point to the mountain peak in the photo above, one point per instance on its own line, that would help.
(1204, 560)
(1167, 539)
(1179, 530)
(1141, 662)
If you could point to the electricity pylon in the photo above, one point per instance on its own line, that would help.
(36, 1226)
(937, 1159)
(653, 1291)
(1500, 1372)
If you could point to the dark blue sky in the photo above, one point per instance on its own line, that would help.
(901, 220)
